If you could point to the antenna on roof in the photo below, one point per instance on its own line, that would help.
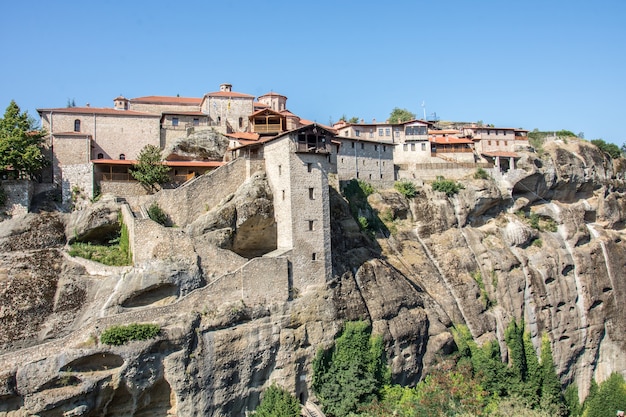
(424, 108)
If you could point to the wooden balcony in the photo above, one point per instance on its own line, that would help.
(269, 128)
(313, 148)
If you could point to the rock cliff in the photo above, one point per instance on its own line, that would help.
(543, 243)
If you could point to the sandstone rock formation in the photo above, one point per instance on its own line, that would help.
(563, 275)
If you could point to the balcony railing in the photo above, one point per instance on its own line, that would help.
(313, 148)
(266, 128)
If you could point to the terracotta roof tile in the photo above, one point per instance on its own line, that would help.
(449, 140)
(231, 94)
(191, 101)
(97, 110)
(504, 154)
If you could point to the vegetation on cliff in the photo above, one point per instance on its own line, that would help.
(20, 143)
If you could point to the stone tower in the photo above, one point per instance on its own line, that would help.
(297, 165)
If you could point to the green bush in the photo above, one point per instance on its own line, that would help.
(118, 335)
(405, 188)
(352, 372)
(277, 402)
(449, 187)
(156, 213)
(609, 148)
(481, 174)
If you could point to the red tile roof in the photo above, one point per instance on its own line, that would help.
(503, 154)
(231, 94)
(244, 135)
(184, 101)
(96, 110)
(448, 140)
(168, 163)
(77, 134)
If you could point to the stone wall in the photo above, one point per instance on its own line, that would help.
(430, 172)
(112, 134)
(77, 185)
(368, 161)
(186, 203)
(18, 195)
(222, 110)
(123, 188)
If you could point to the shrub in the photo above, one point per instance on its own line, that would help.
(481, 174)
(118, 335)
(367, 188)
(116, 253)
(449, 187)
(156, 213)
(352, 372)
(609, 148)
(406, 188)
(277, 402)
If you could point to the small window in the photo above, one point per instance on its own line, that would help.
(384, 148)
(309, 167)
(412, 146)
(352, 143)
(489, 142)
(100, 156)
(280, 169)
(357, 132)
(383, 163)
(497, 143)
(375, 147)
(311, 193)
(196, 121)
(380, 132)
(405, 147)
(370, 176)
(364, 162)
(342, 160)
(283, 194)
(122, 156)
(241, 122)
(313, 256)
(387, 132)
(423, 146)
(371, 133)
(76, 125)
(174, 121)
(310, 224)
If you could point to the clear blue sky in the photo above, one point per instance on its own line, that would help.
(533, 64)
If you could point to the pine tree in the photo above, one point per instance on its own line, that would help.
(551, 396)
(150, 169)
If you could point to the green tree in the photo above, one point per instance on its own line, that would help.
(399, 115)
(150, 169)
(610, 148)
(352, 372)
(277, 402)
(551, 396)
(21, 143)
(609, 397)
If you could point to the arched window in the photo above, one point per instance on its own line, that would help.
(76, 125)
(122, 156)
(100, 156)
(241, 122)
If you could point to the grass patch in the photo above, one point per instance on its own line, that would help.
(118, 335)
(116, 253)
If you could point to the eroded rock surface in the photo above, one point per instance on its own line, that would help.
(471, 259)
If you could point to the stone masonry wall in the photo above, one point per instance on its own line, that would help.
(18, 195)
(186, 203)
(371, 162)
(112, 135)
(77, 185)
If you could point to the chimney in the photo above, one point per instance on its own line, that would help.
(87, 105)
(226, 87)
